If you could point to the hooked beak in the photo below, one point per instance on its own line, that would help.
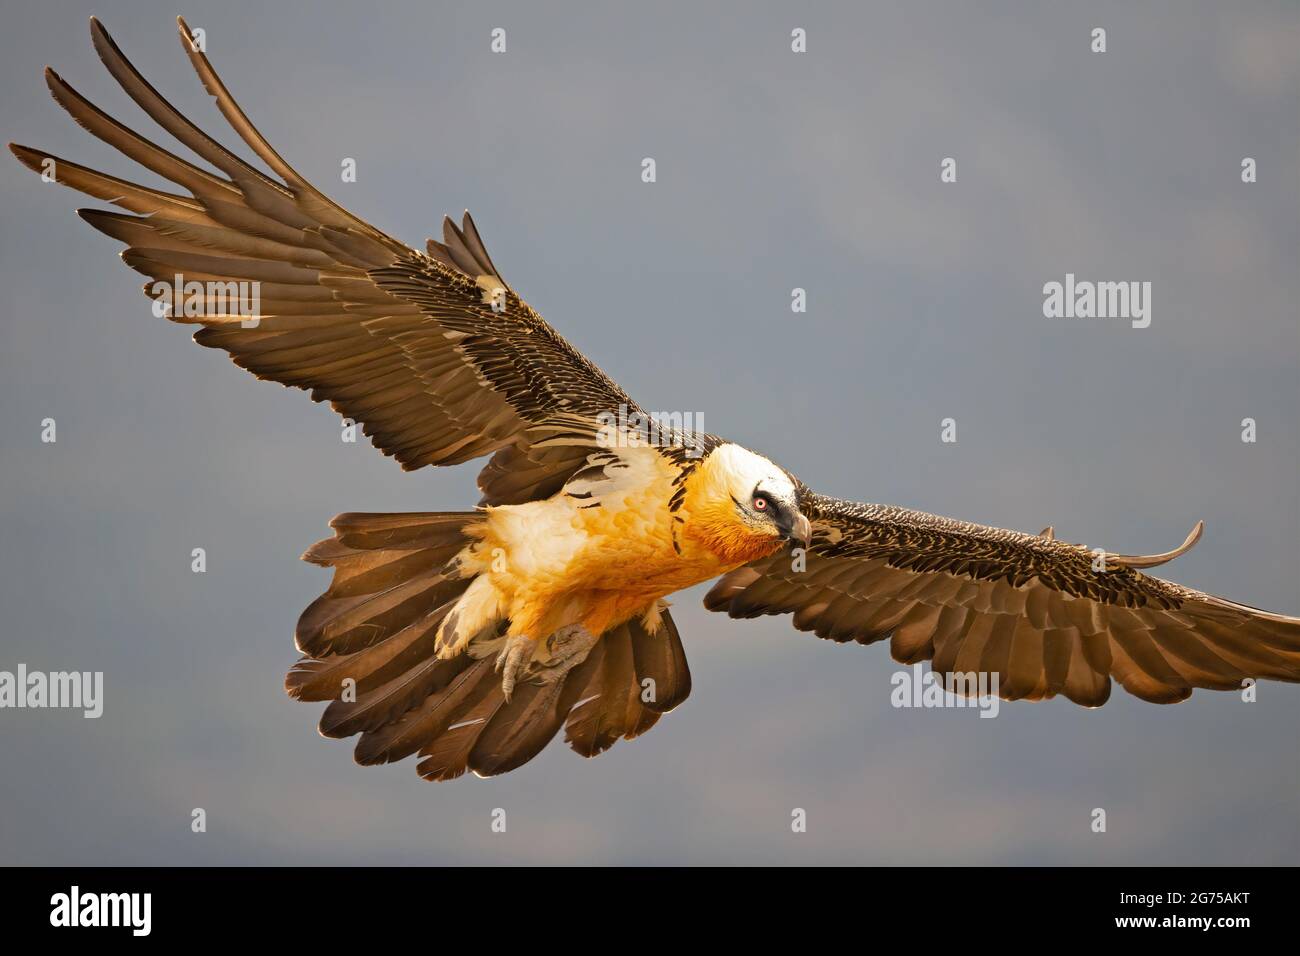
(800, 532)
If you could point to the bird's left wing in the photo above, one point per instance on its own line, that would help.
(1044, 616)
(433, 354)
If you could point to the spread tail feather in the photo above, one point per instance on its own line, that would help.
(371, 646)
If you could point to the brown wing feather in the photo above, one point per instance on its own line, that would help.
(1028, 608)
(406, 344)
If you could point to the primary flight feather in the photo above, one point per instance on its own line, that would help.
(469, 639)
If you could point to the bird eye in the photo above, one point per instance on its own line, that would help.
(760, 503)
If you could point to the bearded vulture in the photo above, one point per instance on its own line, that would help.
(468, 639)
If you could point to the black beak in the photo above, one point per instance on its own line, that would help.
(799, 532)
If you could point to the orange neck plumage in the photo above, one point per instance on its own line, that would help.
(711, 522)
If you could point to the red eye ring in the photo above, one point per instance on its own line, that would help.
(760, 503)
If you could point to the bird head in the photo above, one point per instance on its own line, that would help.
(743, 506)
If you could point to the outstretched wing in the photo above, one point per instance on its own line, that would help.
(1027, 608)
(435, 355)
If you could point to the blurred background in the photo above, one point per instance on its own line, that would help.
(775, 170)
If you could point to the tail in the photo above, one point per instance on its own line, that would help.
(370, 639)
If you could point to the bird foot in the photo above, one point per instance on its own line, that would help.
(513, 660)
(566, 649)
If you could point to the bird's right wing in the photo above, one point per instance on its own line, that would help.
(1043, 616)
(434, 355)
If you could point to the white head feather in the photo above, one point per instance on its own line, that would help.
(746, 472)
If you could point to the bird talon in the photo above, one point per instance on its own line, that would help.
(514, 658)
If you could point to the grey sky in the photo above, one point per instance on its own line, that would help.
(775, 170)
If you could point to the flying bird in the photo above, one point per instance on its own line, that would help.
(470, 638)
